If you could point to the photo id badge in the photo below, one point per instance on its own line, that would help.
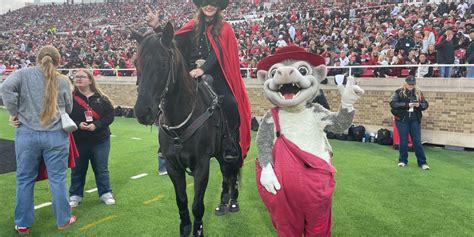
(88, 115)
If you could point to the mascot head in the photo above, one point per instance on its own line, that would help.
(291, 76)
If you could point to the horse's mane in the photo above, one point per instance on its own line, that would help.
(152, 56)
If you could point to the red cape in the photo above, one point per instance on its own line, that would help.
(73, 154)
(231, 71)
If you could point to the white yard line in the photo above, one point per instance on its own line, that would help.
(43, 205)
(139, 176)
(91, 190)
(136, 138)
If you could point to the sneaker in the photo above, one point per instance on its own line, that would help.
(75, 200)
(401, 164)
(72, 219)
(425, 167)
(22, 230)
(162, 172)
(108, 199)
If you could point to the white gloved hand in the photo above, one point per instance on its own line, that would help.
(350, 93)
(269, 180)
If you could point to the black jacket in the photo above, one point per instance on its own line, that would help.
(470, 53)
(399, 105)
(103, 107)
(445, 51)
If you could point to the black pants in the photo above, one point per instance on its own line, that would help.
(229, 105)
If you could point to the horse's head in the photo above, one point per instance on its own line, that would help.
(155, 58)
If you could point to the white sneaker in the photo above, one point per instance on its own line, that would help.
(425, 167)
(108, 199)
(401, 164)
(162, 173)
(75, 200)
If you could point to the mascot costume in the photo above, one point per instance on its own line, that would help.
(295, 175)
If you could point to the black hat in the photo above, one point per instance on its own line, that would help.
(221, 4)
(410, 80)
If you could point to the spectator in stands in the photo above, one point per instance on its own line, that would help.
(431, 55)
(428, 39)
(404, 42)
(3, 68)
(470, 56)
(35, 97)
(93, 113)
(445, 53)
(281, 42)
(422, 71)
(407, 104)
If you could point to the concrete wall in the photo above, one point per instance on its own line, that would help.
(448, 120)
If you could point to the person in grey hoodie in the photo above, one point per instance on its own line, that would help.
(35, 97)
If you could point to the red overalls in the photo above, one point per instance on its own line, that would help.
(303, 204)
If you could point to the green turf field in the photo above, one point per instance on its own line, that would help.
(373, 196)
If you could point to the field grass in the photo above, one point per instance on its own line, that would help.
(373, 197)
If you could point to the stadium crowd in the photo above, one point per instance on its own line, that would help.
(97, 35)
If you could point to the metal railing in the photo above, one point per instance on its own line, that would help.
(248, 72)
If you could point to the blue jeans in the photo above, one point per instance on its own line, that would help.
(445, 72)
(414, 129)
(161, 162)
(470, 72)
(98, 155)
(53, 147)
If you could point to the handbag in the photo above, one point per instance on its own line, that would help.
(68, 124)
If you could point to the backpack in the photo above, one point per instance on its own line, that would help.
(356, 133)
(254, 124)
(384, 137)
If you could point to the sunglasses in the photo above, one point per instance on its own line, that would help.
(213, 3)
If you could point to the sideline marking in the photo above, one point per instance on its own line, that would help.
(136, 138)
(91, 190)
(139, 176)
(155, 199)
(43, 205)
(88, 226)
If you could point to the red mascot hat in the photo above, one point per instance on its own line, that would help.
(290, 52)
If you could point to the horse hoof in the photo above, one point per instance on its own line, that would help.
(185, 230)
(234, 206)
(221, 210)
(198, 230)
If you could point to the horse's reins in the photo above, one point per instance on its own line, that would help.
(192, 128)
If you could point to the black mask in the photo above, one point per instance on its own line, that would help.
(213, 3)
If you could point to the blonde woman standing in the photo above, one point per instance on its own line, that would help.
(35, 97)
(407, 104)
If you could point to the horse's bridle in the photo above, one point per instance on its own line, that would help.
(161, 104)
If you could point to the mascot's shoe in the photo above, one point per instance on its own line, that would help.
(22, 230)
(221, 210)
(198, 230)
(234, 206)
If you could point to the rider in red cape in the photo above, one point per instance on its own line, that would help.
(232, 75)
(209, 46)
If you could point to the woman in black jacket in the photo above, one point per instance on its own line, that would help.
(407, 104)
(93, 113)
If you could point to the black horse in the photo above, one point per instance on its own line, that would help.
(191, 125)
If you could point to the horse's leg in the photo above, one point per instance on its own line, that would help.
(222, 208)
(234, 175)
(178, 178)
(201, 178)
